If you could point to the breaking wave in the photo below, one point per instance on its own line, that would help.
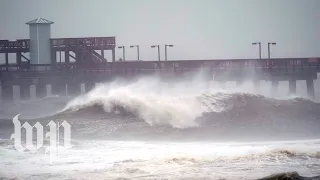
(185, 106)
(101, 127)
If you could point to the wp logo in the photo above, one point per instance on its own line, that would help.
(52, 135)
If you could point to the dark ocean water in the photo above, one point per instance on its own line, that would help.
(181, 131)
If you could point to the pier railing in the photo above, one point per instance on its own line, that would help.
(271, 64)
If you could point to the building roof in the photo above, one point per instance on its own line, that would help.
(40, 21)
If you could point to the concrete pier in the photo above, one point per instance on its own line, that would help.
(82, 88)
(67, 90)
(41, 90)
(48, 90)
(310, 87)
(24, 91)
(293, 87)
(7, 91)
(0, 94)
(33, 92)
(44, 66)
(16, 93)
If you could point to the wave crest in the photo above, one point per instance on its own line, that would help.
(158, 103)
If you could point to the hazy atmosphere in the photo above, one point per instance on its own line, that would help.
(190, 119)
(199, 29)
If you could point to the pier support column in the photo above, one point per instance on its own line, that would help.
(0, 93)
(16, 93)
(310, 88)
(48, 90)
(113, 55)
(66, 90)
(293, 87)
(33, 91)
(41, 90)
(53, 58)
(7, 61)
(102, 53)
(7, 91)
(24, 91)
(82, 88)
(275, 85)
(67, 57)
(18, 58)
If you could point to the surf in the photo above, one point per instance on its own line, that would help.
(158, 103)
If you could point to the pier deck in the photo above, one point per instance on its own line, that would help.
(23, 80)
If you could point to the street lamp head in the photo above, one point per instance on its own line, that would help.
(120, 47)
(132, 46)
(153, 46)
(169, 45)
(272, 43)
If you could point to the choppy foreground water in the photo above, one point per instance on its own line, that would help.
(141, 131)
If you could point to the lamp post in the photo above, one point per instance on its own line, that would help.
(258, 43)
(270, 43)
(158, 46)
(123, 52)
(138, 51)
(165, 50)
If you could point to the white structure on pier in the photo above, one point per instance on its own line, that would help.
(40, 34)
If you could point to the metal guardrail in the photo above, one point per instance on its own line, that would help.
(284, 63)
(96, 43)
(22, 45)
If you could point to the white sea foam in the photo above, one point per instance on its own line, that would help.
(120, 159)
(176, 104)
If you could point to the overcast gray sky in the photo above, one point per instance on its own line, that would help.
(199, 29)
